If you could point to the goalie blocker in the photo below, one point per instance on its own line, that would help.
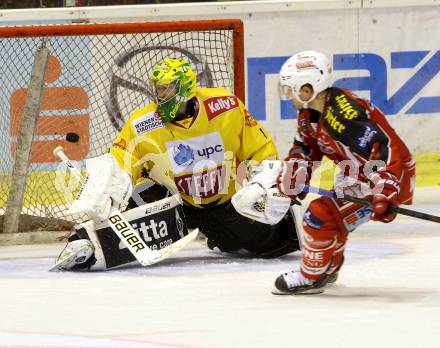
(159, 224)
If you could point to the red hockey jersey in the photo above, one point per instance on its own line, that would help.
(350, 128)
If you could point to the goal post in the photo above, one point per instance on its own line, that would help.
(24, 140)
(97, 74)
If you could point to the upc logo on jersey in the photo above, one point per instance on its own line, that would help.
(147, 123)
(196, 154)
(216, 106)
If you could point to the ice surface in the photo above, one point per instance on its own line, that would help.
(387, 295)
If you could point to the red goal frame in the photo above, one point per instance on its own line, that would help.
(236, 25)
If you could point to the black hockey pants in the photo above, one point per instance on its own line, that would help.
(230, 231)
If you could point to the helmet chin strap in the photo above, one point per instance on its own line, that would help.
(305, 104)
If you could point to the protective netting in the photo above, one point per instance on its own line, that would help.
(92, 84)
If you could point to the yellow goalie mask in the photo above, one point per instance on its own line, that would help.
(174, 83)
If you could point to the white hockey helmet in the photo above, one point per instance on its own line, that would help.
(306, 67)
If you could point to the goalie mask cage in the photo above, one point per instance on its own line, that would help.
(96, 75)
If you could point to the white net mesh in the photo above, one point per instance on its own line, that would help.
(92, 84)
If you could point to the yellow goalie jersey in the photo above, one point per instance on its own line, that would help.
(197, 156)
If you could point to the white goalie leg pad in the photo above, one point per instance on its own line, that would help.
(105, 184)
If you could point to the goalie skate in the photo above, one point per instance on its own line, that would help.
(294, 283)
(75, 253)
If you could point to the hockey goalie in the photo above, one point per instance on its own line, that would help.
(175, 165)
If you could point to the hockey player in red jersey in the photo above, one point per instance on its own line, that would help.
(375, 164)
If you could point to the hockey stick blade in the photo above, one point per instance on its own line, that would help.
(398, 210)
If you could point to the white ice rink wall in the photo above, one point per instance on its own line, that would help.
(385, 50)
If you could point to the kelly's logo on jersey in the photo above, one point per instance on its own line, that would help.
(216, 106)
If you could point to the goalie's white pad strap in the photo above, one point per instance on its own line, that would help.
(99, 255)
(105, 185)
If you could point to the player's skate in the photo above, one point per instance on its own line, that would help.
(332, 278)
(294, 283)
(75, 253)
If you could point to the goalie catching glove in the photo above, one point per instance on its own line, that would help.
(105, 185)
(259, 199)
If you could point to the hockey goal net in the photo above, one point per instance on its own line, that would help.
(96, 75)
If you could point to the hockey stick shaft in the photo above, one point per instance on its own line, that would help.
(118, 223)
(398, 210)
(59, 152)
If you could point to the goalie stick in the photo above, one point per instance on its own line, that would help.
(365, 202)
(125, 231)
